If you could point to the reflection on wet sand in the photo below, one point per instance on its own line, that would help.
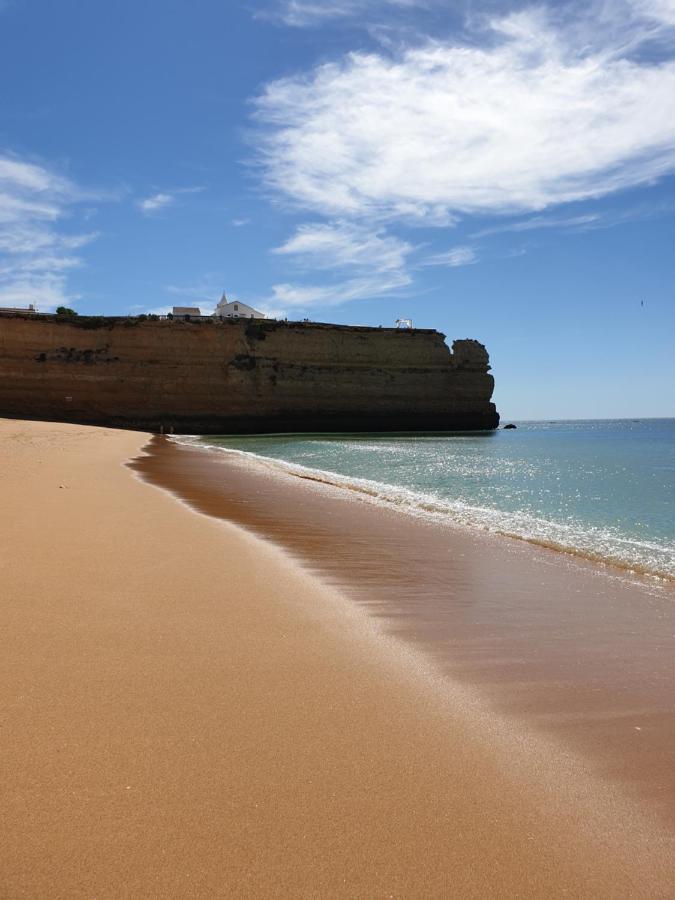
(577, 650)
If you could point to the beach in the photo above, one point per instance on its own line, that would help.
(197, 705)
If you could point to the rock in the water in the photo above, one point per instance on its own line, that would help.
(510, 425)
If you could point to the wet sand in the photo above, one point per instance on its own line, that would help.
(581, 652)
(188, 712)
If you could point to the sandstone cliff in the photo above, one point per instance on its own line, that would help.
(241, 376)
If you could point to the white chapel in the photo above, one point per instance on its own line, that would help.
(234, 309)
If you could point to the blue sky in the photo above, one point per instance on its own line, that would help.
(503, 171)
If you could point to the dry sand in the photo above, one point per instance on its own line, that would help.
(185, 712)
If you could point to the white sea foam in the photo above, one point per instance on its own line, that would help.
(605, 544)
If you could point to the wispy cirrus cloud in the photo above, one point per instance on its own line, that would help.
(584, 222)
(592, 221)
(358, 287)
(453, 258)
(305, 13)
(36, 252)
(362, 262)
(336, 245)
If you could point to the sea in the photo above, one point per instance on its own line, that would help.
(603, 489)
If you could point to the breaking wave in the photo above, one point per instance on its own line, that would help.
(604, 544)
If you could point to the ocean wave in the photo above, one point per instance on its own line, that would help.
(601, 544)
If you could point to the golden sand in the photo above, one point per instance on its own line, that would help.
(185, 712)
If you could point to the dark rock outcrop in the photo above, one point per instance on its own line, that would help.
(241, 376)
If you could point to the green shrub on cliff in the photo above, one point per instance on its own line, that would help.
(65, 311)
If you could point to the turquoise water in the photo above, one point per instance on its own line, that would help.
(600, 488)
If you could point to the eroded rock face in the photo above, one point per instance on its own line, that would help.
(241, 376)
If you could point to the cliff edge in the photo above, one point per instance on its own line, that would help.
(241, 376)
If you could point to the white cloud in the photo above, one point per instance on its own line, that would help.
(357, 262)
(46, 291)
(35, 254)
(31, 239)
(662, 11)
(341, 244)
(25, 176)
(583, 222)
(41, 264)
(544, 106)
(591, 221)
(373, 263)
(156, 203)
(304, 13)
(304, 296)
(456, 256)
(533, 118)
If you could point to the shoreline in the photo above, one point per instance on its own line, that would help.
(571, 650)
(189, 712)
(429, 507)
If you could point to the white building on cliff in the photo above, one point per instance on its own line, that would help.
(234, 309)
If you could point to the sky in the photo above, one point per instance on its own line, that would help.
(497, 170)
